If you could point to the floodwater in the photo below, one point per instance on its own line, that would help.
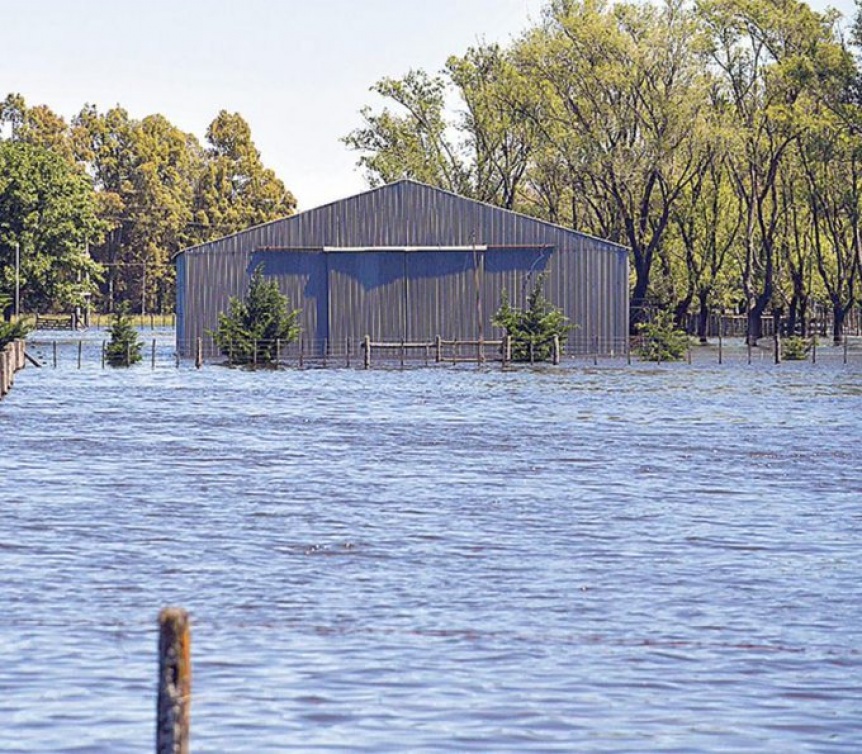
(452, 559)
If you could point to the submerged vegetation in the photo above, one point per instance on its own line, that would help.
(532, 330)
(124, 346)
(795, 348)
(252, 330)
(661, 340)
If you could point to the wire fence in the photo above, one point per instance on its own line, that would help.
(161, 352)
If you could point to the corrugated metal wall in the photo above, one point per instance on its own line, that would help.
(415, 294)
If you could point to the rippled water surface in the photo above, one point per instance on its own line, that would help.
(620, 559)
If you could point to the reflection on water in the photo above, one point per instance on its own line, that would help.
(607, 560)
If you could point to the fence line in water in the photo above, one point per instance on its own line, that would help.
(84, 353)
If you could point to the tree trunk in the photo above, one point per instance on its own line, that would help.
(838, 314)
(755, 323)
(638, 312)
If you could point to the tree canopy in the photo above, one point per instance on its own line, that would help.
(719, 140)
(143, 190)
(48, 211)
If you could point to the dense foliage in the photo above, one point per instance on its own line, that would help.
(48, 210)
(108, 199)
(253, 329)
(124, 346)
(719, 140)
(10, 331)
(532, 330)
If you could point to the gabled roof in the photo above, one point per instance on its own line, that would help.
(403, 213)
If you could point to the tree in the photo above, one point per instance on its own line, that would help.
(770, 59)
(706, 223)
(415, 141)
(532, 330)
(10, 331)
(620, 95)
(47, 210)
(252, 330)
(235, 190)
(661, 339)
(124, 346)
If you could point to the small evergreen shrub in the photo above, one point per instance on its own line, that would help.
(10, 331)
(124, 347)
(661, 340)
(795, 348)
(532, 330)
(250, 331)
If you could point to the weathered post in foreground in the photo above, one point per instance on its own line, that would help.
(199, 353)
(556, 358)
(507, 349)
(366, 347)
(175, 682)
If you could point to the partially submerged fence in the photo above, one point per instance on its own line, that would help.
(161, 353)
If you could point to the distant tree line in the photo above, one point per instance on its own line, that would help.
(720, 140)
(97, 206)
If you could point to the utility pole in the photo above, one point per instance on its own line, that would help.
(17, 279)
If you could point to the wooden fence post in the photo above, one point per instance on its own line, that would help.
(438, 345)
(175, 682)
(199, 353)
(80, 348)
(507, 348)
(556, 359)
(814, 348)
(4, 361)
(366, 347)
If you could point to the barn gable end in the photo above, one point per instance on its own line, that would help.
(404, 262)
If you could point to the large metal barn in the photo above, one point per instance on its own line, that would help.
(408, 262)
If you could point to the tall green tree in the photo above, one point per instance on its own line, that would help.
(622, 99)
(415, 139)
(769, 58)
(48, 210)
(235, 190)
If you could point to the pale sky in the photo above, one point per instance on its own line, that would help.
(298, 71)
